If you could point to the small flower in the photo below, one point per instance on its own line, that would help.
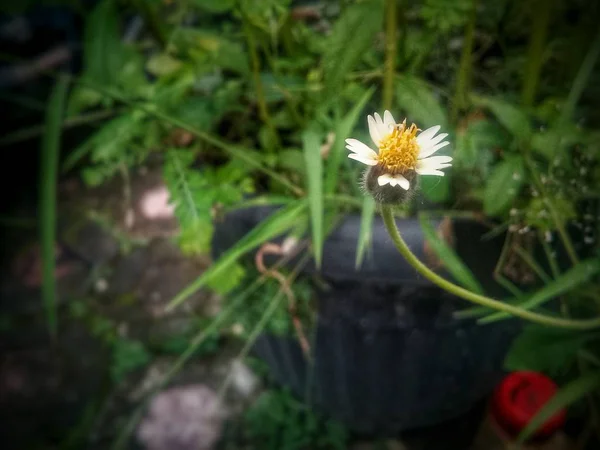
(403, 153)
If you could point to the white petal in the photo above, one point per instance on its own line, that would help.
(426, 135)
(426, 151)
(402, 182)
(373, 130)
(433, 161)
(362, 159)
(354, 145)
(388, 119)
(438, 138)
(430, 172)
(382, 180)
(383, 129)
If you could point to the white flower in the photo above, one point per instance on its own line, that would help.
(400, 151)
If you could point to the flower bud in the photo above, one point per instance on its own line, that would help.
(388, 194)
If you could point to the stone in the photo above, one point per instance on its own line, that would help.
(92, 242)
(183, 418)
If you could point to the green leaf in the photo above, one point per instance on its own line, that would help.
(577, 275)
(194, 193)
(276, 224)
(351, 37)
(566, 396)
(475, 144)
(293, 160)
(366, 228)
(555, 141)
(195, 237)
(111, 146)
(503, 185)
(510, 116)
(225, 282)
(415, 98)
(197, 111)
(311, 142)
(47, 196)
(342, 131)
(449, 258)
(443, 16)
(209, 50)
(544, 349)
(127, 356)
(162, 64)
(101, 38)
(107, 59)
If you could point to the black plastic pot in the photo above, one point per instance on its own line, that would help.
(389, 356)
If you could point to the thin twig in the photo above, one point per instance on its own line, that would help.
(270, 248)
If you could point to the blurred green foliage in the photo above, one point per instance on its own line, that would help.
(255, 98)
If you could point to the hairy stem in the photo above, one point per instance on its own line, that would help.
(390, 223)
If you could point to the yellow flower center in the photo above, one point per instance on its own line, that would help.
(398, 151)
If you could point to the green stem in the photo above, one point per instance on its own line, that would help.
(391, 25)
(501, 279)
(562, 231)
(535, 53)
(390, 223)
(558, 221)
(551, 259)
(581, 80)
(533, 265)
(464, 69)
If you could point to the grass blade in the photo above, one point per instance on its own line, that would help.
(564, 397)
(568, 281)
(276, 224)
(366, 226)
(581, 80)
(48, 178)
(342, 130)
(311, 143)
(449, 258)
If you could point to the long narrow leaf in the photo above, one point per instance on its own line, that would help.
(449, 258)
(48, 176)
(274, 225)
(342, 131)
(566, 396)
(311, 143)
(581, 80)
(568, 281)
(366, 227)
